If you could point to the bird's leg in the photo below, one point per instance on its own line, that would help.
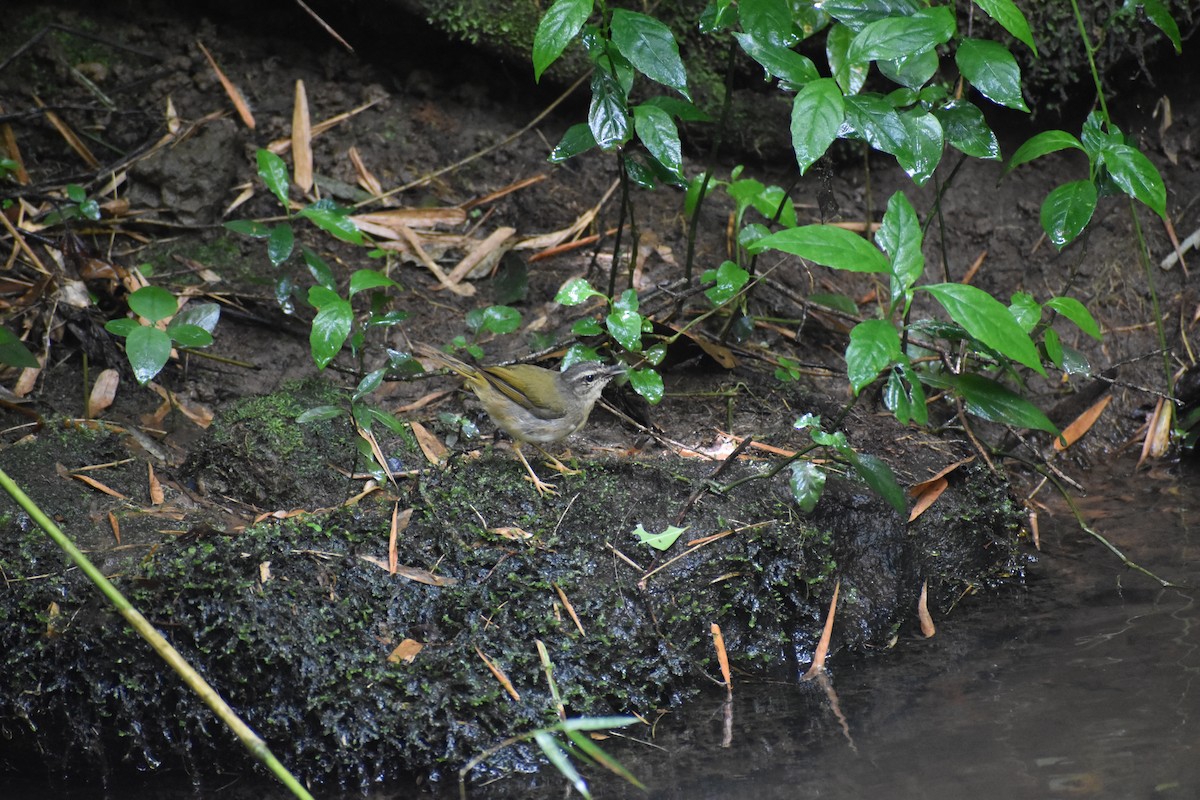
(558, 466)
(542, 487)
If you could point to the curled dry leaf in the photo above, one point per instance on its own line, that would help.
(430, 445)
(1082, 424)
(927, 626)
(104, 391)
(406, 651)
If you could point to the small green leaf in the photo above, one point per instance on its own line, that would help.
(14, 353)
(365, 279)
(730, 279)
(330, 327)
(1136, 176)
(850, 75)
(204, 315)
(274, 173)
(904, 396)
(560, 24)
(807, 482)
(319, 414)
(337, 223)
(578, 139)
(494, 319)
(899, 36)
(1158, 13)
(991, 69)
(874, 119)
(874, 346)
(659, 541)
(1006, 13)
(248, 227)
(370, 382)
(817, 114)
(153, 303)
(147, 349)
(988, 320)
(921, 148)
(911, 71)
(829, 246)
(1053, 347)
(1075, 311)
(967, 131)
(1067, 210)
(994, 402)
(1042, 144)
(768, 21)
(76, 193)
(279, 243)
(650, 47)
(838, 302)
(577, 354)
(658, 133)
(1026, 311)
(780, 62)
(647, 383)
(320, 271)
(679, 108)
(608, 118)
(576, 291)
(900, 236)
(625, 325)
(586, 327)
(879, 476)
(117, 327)
(186, 335)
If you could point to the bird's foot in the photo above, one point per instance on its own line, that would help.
(543, 488)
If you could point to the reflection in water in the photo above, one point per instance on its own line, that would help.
(1083, 683)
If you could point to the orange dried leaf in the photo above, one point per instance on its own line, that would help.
(514, 534)
(822, 651)
(302, 161)
(400, 520)
(570, 608)
(927, 626)
(500, 676)
(104, 391)
(366, 179)
(722, 656)
(97, 485)
(406, 651)
(1033, 530)
(917, 488)
(927, 498)
(1158, 432)
(487, 252)
(156, 489)
(64, 130)
(1082, 424)
(115, 524)
(235, 96)
(435, 452)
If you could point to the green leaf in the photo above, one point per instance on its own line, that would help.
(147, 349)
(596, 723)
(274, 173)
(967, 131)
(857, 14)
(1026, 311)
(780, 62)
(988, 320)
(578, 139)
(1053, 347)
(817, 114)
(838, 302)
(647, 383)
(807, 482)
(204, 315)
(494, 319)
(850, 75)
(1067, 210)
(879, 476)
(560, 24)
(874, 346)
(829, 246)
(153, 303)
(900, 236)
(330, 327)
(186, 335)
(911, 71)
(1136, 176)
(608, 118)
(1042, 144)
(280, 241)
(578, 353)
(658, 133)
(768, 21)
(730, 279)
(625, 324)
(14, 353)
(319, 414)
(904, 396)
(586, 327)
(901, 36)
(921, 149)
(117, 327)
(334, 222)
(320, 271)
(576, 291)
(1158, 13)
(991, 69)
(1075, 311)
(370, 382)
(561, 762)
(874, 119)
(76, 193)
(364, 279)
(650, 47)
(994, 402)
(248, 227)
(659, 541)
(1006, 13)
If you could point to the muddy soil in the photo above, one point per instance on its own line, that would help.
(436, 118)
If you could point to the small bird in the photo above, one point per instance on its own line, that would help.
(531, 404)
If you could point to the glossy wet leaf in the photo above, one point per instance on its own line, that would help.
(494, 319)
(330, 327)
(995, 402)
(1075, 311)
(768, 21)
(1026, 310)
(586, 327)
(248, 227)
(1067, 210)
(560, 24)
(659, 541)
(608, 119)
(850, 75)
(578, 139)
(904, 396)
(650, 47)
(966, 129)
(186, 335)
(1158, 13)
(14, 353)
(657, 131)
(118, 327)
(920, 150)
(899, 36)
(730, 279)
(647, 383)
(205, 315)
(334, 222)
(807, 483)
(900, 236)
(280, 241)
(818, 111)
(153, 303)
(320, 271)
(319, 414)
(1136, 176)
(147, 349)
(991, 69)
(829, 246)
(364, 279)
(274, 174)
(988, 320)
(779, 62)
(911, 71)
(576, 291)
(874, 119)
(879, 476)
(1006, 13)
(874, 346)
(370, 382)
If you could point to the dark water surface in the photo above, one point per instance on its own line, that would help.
(1082, 683)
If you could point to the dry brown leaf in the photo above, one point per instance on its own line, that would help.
(927, 627)
(917, 488)
(235, 96)
(302, 161)
(483, 256)
(8, 141)
(400, 520)
(570, 608)
(514, 534)
(1033, 530)
(507, 190)
(173, 123)
(198, 413)
(435, 452)
(1158, 432)
(927, 497)
(64, 130)
(414, 574)
(97, 485)
(281, 146)
(366, 179)
(722, 657)
(156, 490)
(104, 391)
(461, 289)
(974, 268)
(264, 572)
(406, 651)
(115, 524)
(28, 377)
(396, 218)
(500, 676)
(1082, 424)
(822, 651)
(423, 401)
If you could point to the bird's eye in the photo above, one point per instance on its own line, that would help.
(589, 378)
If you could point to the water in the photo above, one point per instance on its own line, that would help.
(1083, 683)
